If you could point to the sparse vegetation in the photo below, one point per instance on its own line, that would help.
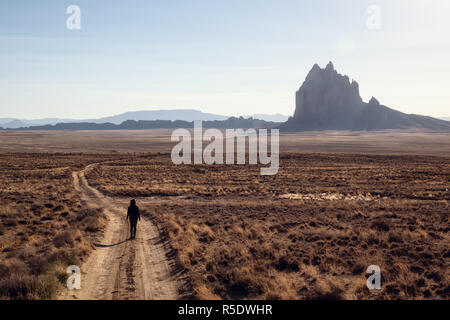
(44, 225)
(310, 232)
(233, 235)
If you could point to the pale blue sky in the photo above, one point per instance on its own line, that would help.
(230, 57)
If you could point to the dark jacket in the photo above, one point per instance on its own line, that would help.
(133, 214)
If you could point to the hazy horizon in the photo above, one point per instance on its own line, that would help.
(234, 58)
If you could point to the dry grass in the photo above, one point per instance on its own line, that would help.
(309, 232)
(345, 177)
(234, 235)
(44, 226)
(108, 141)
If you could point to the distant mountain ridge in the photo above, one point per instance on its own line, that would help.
(328, 100)
(270, 117)
(179, 114)
(230, 123)
(144, 115)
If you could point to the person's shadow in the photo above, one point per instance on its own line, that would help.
(110, 245)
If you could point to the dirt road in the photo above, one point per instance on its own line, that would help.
(119, 268)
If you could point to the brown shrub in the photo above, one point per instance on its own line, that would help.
(37, 195)
(64, 239)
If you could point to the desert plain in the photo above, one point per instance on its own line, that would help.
(340, 202)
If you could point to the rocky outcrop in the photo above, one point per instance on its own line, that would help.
(328, 100)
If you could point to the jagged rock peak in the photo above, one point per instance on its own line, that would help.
(374, 101)
(355, 85)
(328, 100)
(317, 72)
(326, 96)
(330, 66)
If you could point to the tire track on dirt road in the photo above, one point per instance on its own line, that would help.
(120, 268)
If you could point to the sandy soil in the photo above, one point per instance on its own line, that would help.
(120, 268)
(381, 142)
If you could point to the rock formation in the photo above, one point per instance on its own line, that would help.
(328, 100)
